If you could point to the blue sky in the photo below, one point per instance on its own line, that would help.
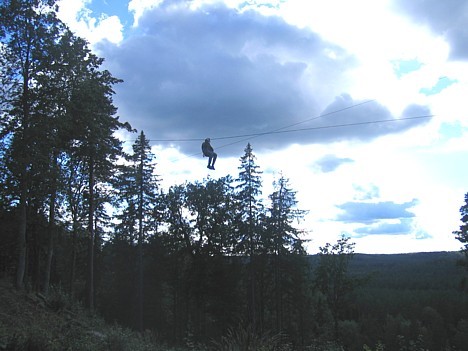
(320, 73)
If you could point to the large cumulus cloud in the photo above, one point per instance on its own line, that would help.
(448, 18)
(217, 72)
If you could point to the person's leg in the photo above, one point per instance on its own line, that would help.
(212, 156)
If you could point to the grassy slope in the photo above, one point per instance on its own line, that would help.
(30, 322)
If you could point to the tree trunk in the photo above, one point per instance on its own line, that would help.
(73, 259)
(253, 307)
(140, 249)
(253, 302)
(21, 267)
(51, 230)
(278, 293)
(90, 280)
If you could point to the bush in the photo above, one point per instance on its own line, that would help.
(245, 339)
(58, 300)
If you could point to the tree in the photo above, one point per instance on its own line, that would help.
(74, 179)
(179, 233)
(29, 30)
(46, 73)
(72, 62)
(91, 118)
(462, 234)
(138, 187)
(178, 249)
(250, 210)
(331, 276)
(281, 238)
(55, 90)
(211, 207)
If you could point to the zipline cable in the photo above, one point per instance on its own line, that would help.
(246, 137)
(255, 135)
(276, 131)
(328, 127)
(265, 133)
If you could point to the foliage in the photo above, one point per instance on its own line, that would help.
(462, 234)
(281, 236)
(33, 322)
(244, 338)
(332, 278)
(250, 206)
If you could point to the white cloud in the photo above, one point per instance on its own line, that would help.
(80, 19)
(139, 7)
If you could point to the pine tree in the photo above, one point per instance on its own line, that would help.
(93, 125)
(281, 238)
(248, 196)
(29, 33)
(138, 187)
(91, 147)
(250, 211)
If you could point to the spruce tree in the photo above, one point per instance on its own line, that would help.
(282, 239)
(250, 211)
(138, 187)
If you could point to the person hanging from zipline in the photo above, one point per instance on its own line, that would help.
(208, 151)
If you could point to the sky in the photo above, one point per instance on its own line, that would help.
(360, 104)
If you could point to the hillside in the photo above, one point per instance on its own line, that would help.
(29, 321)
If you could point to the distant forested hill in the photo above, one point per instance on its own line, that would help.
(426, 270)
(423, 270)
(408, 301)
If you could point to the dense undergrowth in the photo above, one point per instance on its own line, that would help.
(30, 321)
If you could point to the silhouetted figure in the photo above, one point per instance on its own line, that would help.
(208, 151)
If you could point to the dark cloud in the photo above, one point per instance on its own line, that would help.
(329, 163)
(216, 72)
(372, 212)
(364, 121)
(448, 18)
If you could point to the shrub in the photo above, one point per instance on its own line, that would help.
(244, 338)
